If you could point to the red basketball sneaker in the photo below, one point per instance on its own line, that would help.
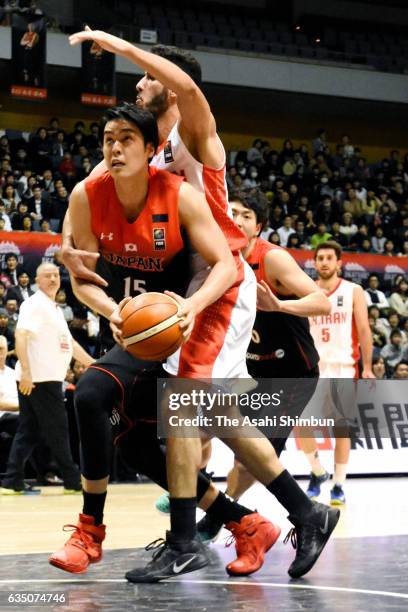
(83, 547)
(254, 535)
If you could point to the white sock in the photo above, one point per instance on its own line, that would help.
(314, 460)
(340, 472)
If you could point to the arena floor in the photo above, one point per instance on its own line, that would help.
(363, 568)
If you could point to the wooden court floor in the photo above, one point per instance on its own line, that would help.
(363, 568)
(33, 524)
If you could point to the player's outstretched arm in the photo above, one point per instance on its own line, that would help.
(282, 269)
(196, 117)
(80, 221)
(360, 314)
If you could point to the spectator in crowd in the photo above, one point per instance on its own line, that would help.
(47, 182)
(27, 224)
(40, 149)
(348, 229)
(18, 217)
(373, 294)
(45, 227)
(319, 143)
(22, 290)
(59, 148)
(310, 225)
(285, 230)
(3, 292)
(39, 206)
(322, 235)
(61, 300)
(254, 154)
(379, 368)
(60, 204)
(293, 242)
(9, 276)
(44, 348)
(10, 199)
(274, 238)
(8, 333)
(348, 148)
(389, 248)
(398, 299)
(378, 335)
(5, 217)
(378, 240)
(11, 307)
(388, 323)
(355, 205)
(401, 370)
(394, 351)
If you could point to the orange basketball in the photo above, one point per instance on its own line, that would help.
(151, 326)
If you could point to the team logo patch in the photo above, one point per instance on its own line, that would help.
(339, 301)
(159, 238)
(168, 153)
(158, 233)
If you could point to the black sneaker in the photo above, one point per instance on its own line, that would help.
(309, 536)
(208, 529)
(172, 558)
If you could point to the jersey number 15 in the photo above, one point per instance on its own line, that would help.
(134, 288)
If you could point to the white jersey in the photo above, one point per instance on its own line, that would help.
(217, 347)
(174, 157)
(335, 335)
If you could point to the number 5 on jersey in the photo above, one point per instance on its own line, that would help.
(325, 334)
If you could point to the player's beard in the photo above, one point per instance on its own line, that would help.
(159, 104)
(327, 275)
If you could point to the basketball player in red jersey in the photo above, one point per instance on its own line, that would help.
(281, 345)
(338, 337)
(120, 213)
(184, 114)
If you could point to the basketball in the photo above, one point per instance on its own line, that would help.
(151, 326)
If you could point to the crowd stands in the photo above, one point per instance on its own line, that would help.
(315, 193)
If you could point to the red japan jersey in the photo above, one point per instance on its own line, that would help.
(256, 258)
(153, 239)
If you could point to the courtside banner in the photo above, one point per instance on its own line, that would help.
(357, 266)
(31, 249)
(98, 76)
(366, 457)
(29, 40)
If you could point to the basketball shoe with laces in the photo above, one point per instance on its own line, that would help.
(83, 547)
(254, 535)
(171, 558)
(309, 536)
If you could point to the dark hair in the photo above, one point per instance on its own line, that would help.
(253, 199)
(9, 256)
(182, 59)
(395, 332)
(402, 362)
(142, 119)
(329, 244)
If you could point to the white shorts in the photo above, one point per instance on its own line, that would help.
(337, 370)
(222, 332)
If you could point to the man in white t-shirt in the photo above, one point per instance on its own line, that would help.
(44, 348)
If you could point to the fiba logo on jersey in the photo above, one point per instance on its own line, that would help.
(339, 301)
(168, 153)
(159, 237)
(279, 354)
